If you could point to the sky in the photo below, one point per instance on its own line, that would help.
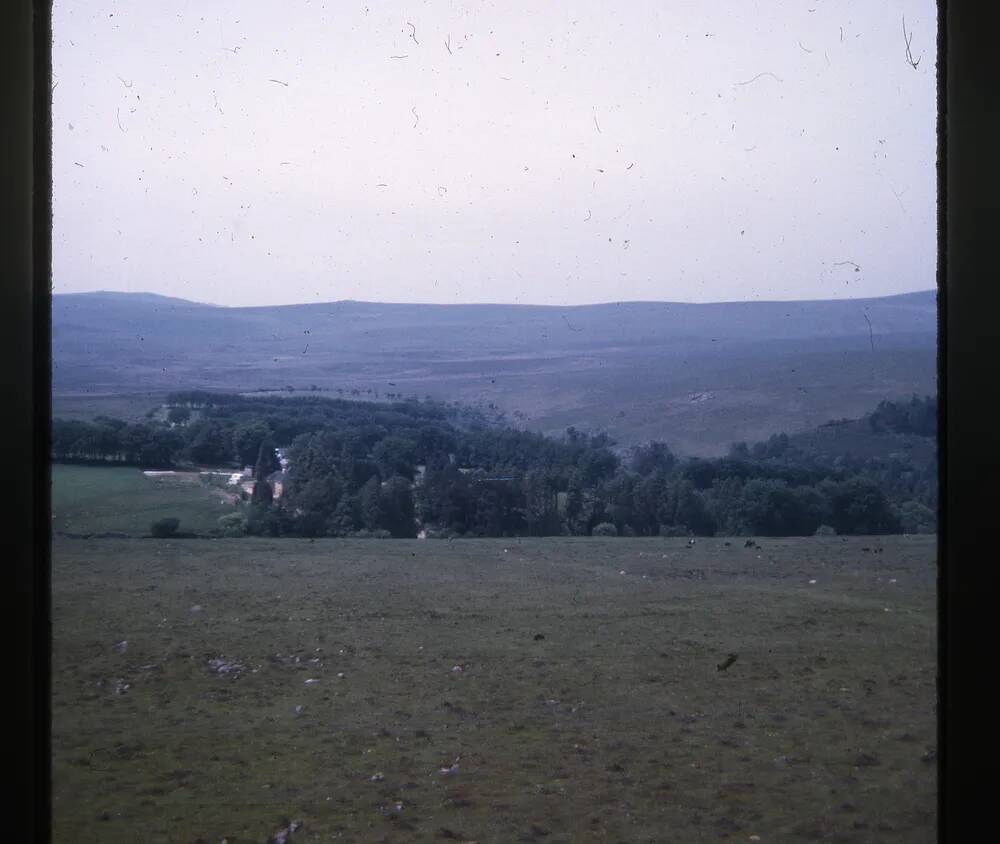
(558, 153)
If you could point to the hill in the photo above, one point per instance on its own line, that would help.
(698, 376)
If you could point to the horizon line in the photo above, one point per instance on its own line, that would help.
(136, 293)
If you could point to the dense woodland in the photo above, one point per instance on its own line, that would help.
(392, 469)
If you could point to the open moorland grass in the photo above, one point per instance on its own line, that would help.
(572, 684)
(119, 499)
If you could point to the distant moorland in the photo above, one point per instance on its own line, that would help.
(697, 376)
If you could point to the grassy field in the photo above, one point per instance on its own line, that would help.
(116, 499)
(573, 680)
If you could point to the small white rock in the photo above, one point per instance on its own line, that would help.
(377, 777)
(311, 680)
(812, 581)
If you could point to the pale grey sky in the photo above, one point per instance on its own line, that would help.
(251, 153)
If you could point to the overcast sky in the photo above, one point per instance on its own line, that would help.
(252, 153)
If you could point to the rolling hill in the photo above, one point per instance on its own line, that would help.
(699, 376)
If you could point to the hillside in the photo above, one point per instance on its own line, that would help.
(697, 376)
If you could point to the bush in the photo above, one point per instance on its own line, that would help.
(674, 530)
(825, 530)
(163, 528)
(233, 524)
(604, 529)
(365, 533)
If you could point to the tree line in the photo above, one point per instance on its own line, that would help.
(377, 469)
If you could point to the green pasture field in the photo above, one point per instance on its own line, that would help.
(118, 499)
(573, 681)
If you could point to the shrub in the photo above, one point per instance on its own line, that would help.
(674, 530)
(165, 527)
(604, 529)
(233, 524)
(825, 530)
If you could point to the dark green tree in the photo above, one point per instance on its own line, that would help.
(178, 415)
(397, 508)
(370, 504)
(209, 444)
(652, 457)
(247, 438)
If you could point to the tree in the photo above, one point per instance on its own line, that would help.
(740, 450)
(724, 502)
(262, 495)
(701, 473)
(653, 457)
(859, 506)
(263, 520)
(179, 415)
(159, 447)
(247, 439)
(541, 507)
(397, 508)
(597, 464)
(209, 444)
(343, 521)
(396, 456)
(770, 507)
(267, 461)
(370, 504)
(651, 502)
(917, 518)
(577, 510)
(685, 506)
